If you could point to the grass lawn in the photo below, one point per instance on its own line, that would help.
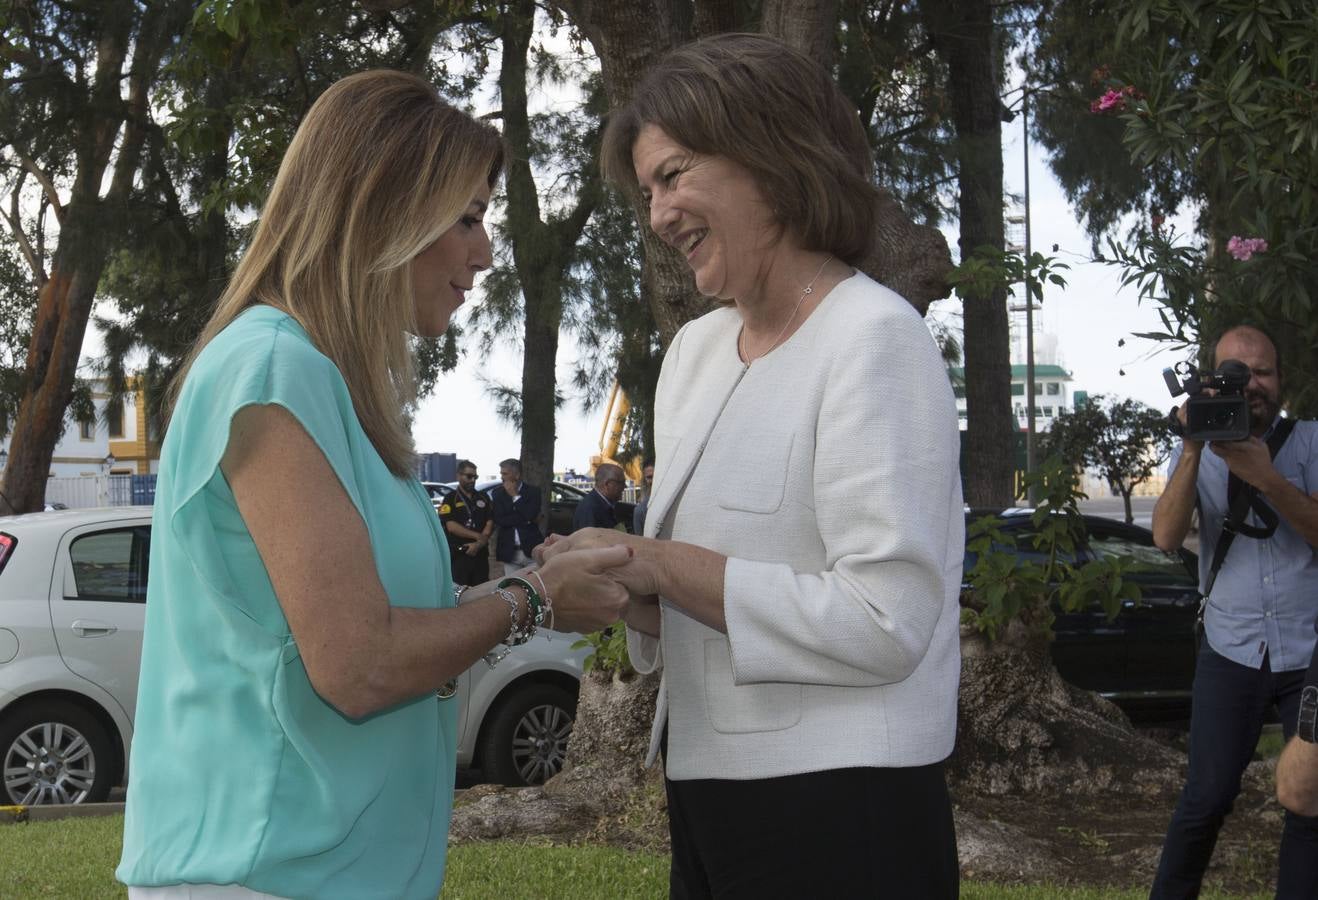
(76, 858)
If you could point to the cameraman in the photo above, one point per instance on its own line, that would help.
(1258, 621)
(1297, 770)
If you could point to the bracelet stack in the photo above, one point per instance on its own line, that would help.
(520, 630)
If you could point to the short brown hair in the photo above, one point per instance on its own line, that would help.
(775, 112)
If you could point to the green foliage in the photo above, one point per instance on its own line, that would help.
(1233, 98)
(608, 651)
(18, 304)
(887, 66)
(243, 75)
(1073, 52)
(1125, 440)
(989, 268)
(1003, 587)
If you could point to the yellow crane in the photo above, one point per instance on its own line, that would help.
(615, 418)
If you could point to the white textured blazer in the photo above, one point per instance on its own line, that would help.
(828, 474)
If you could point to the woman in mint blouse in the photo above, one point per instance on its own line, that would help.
(300, 613)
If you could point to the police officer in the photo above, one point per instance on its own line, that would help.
(467, 525)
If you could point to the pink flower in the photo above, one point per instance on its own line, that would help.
(1243, 248)
(1110, 100)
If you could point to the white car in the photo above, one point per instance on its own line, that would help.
(72, 602)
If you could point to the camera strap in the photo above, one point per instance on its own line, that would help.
(1241, 498)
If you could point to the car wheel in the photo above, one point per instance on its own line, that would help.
(526, 736)
(54, 753)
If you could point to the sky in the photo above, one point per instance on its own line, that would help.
(1087, 319)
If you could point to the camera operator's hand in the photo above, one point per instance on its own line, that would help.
(1189, 444)
(1249, 460)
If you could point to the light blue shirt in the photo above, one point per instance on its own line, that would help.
(1265, 598)
(241, 773)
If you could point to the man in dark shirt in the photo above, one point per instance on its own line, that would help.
(516, 507)
(467, 517)
(596, 510)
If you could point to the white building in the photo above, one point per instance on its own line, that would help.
(1054, 393)
(119, 441)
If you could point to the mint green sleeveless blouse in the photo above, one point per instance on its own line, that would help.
(240, 773)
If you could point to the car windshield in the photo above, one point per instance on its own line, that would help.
(1155, 566)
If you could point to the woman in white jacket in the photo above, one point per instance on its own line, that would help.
(798, 576)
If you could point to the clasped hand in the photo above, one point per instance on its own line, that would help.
(585, 595)
(640, 574)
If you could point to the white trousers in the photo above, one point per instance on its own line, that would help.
(198, 892)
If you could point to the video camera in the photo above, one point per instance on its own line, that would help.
(1224, 417)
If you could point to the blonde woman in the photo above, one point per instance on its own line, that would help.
(301, 613)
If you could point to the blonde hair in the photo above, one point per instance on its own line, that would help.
(775, 112)
(380, 167)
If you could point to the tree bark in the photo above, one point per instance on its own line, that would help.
(1022, 729)
(542, 252)
(963, 34)
(808, 25)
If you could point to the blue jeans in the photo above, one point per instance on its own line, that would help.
(1228, 707)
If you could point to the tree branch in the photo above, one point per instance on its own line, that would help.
(16, 226)
(47, 185)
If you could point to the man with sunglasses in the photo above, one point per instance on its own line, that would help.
(466, 514)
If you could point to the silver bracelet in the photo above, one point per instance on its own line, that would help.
(501, 650)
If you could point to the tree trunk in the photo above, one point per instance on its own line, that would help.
(111, 122)
(963, 33)
(63, 308)
(1126, 491)
(543, 315)
(542, 252)
(1022, 729)
(808, 25)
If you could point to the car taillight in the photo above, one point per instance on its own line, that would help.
(7, 544)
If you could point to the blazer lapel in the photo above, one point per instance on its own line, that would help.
(671, 477)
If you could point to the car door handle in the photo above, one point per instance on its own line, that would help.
(88, 628)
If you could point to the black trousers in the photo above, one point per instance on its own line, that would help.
(862, 832)
(1226, 716)
(470, 570)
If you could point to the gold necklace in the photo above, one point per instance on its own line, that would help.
(809, 289)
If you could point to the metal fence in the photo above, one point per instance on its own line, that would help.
(90, 491)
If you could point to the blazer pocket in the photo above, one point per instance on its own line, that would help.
(745, 708)
(760, 477)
